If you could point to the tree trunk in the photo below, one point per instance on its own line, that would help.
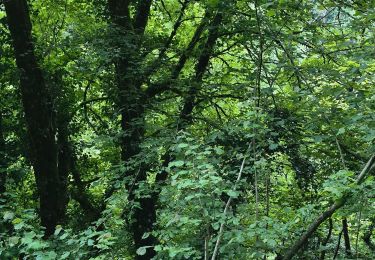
(325, 242)
(38, 110)
(337, 246)
(80, 194)
(345, 231)
(131, 105)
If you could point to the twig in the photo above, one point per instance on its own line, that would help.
(221, 230)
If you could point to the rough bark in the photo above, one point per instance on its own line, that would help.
(38, 114)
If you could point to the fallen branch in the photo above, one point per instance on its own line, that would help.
(292, 251)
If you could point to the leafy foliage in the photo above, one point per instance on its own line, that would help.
(188, 126)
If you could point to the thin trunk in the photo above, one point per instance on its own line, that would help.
(67, 165)
(5, 227)
(337, 246)
(257, 94)
(227, 205)
(345, 231)
(325, 242)
(38, 113)
(145, 215)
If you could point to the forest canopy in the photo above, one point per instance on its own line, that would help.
(186, 129)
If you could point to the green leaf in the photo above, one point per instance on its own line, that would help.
(146, 235)
(177, 163)
(57, 230)
(8, 215)
(273, 146)
(271, 13)
(232, 193)
(341, 131)
(16, 221)
(213, 3)
(37, 244)
(65, 235)
(182, 145)
(14, 240)
(219, 151)
(142, 250)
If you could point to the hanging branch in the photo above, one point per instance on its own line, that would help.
(292, 251)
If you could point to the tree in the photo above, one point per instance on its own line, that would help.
(186, 129)
(38, 113)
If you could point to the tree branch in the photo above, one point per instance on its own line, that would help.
(292, 251)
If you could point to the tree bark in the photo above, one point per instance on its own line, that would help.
(38, 110)
(131, 105)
